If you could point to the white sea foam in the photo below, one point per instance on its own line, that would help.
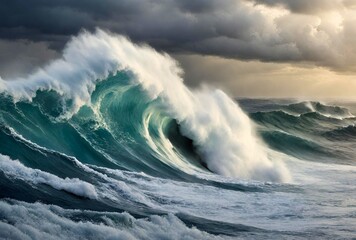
(15, 169)
(221, 131)
(38, 221)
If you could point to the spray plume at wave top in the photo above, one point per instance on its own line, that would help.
(221, 132)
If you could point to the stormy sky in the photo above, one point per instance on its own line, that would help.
(249, 47)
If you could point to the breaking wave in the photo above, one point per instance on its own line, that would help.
(128, 90)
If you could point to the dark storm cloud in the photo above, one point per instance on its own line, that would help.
(18, 58)
(201, 25)
(241, 29)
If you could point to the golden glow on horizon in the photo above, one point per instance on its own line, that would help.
(258, 79)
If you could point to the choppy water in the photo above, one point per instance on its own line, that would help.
(108, 143)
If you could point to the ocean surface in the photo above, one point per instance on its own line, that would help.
(108, 143)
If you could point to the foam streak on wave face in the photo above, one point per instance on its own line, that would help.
(222, 133)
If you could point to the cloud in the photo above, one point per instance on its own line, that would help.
(320, 32)
(307, 6)
(20, 57)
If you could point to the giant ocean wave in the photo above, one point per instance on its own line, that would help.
(116, 85)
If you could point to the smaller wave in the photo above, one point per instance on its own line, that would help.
(313, 122)
(343, 133)
(337, 112)
(321, 117)
(275, 114)
(294, 145)
(282, 120)
(14, 169)
(300, 108)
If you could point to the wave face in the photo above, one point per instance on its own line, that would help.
(107, 142)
